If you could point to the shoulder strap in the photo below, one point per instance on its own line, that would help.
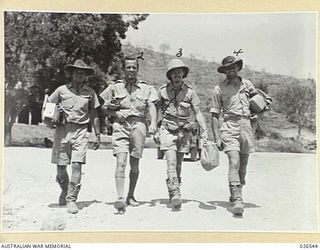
(170, 101)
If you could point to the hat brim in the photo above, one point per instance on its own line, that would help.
(185, 68)
(222, 69)
(70, 68)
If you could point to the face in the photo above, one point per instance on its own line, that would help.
(176, 75)
(232, 71)
(79, 75)
(130, 69)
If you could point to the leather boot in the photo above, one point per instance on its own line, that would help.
(174, 192)
(237, 204)
(231, 197)
(72, 196)
(63, 182)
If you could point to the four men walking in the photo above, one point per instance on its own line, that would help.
(128, 102)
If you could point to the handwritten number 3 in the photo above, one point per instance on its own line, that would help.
(179, 54)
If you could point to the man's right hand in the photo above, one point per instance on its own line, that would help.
(219, 144)
(156, 138)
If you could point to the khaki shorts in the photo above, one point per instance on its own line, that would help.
(238, 135)
(129, 138)
(178, 141)
(70, 144)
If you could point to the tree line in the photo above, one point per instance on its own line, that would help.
(39, 45)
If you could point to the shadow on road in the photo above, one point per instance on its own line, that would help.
(227, 205)
(166, 202)
(80, 204)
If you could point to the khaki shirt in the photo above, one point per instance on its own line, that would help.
(76, 105)
(134, 99)
(177, 103)
(231, 100)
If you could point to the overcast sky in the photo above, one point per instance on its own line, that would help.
(283, 43)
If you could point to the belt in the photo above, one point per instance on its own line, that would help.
(175, 117)
(236, 118)
(131, 119)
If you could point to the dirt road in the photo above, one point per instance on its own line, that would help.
(280, 195)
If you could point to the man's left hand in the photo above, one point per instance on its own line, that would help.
(204, 136)
(97, 142)
(152, 128)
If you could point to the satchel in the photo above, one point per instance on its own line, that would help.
(209, 156)
(260, 102)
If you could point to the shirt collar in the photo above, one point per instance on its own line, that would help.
(135, 84)
(84, 87)
(171, 88)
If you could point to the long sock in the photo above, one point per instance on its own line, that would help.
(120, 186)
(76, 172)
(133, 182)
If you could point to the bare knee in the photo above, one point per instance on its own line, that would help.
(234, 159)
(121, 165)
(76, 165)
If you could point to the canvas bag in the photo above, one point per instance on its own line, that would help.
(209, 156)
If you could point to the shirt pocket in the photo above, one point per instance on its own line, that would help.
(84, 102)
(184, 108)
(67, 102)
(168, 107)
(140, 102)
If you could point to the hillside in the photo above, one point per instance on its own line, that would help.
(276, 133)
(203, 76)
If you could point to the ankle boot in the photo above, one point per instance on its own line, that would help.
(72, 196)
(63, 182)
(237, 204)
(174, 192)
(231, 197)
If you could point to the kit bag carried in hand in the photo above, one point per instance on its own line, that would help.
(209, 156)
(52, 116)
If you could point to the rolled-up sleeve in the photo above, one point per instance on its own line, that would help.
(252, 90)
(195, 100)
(54, 97)
(153, 96)
(216, 101)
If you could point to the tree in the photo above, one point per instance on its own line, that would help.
(296, 99)
(39, 45)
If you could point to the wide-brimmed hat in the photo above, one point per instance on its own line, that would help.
(79, 64)
(230, 60)
(177, 63)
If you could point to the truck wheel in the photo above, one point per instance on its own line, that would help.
(193, 153)
(160, 153)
